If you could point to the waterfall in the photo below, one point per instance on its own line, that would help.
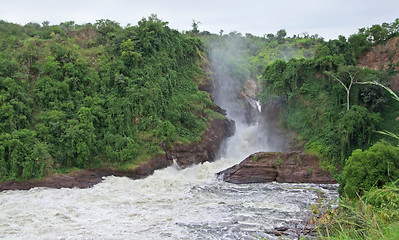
(172, 203)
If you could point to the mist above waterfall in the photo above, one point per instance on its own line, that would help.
(230, 64)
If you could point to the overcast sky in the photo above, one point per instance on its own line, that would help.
(328, 18)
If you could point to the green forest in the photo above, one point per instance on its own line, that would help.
(97, 95)
(102, 95)
(348, 117)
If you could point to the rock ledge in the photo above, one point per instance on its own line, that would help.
(288, 167)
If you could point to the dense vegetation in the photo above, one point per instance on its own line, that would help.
(344, 113)
(331, 101)
(96, 95)
(347, 115)
(102, 95)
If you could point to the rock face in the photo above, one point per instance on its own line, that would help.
(383, 57)
(185, 155)
(248, 95)
(289, 167)
(206, 150)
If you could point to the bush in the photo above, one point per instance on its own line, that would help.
(376, 166)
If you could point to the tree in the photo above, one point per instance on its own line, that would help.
(347, 86)
(129, 54)
(356, 127)
(194, 25)
(377, 34)
(107, 28)
(357, 44)
(280, 35)
(45, 23)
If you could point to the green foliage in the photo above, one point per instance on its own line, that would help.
(349, 51)
(278, 162)
(374, 216)
(96, 95)
(283, 48)
(376, 166)
(344, 128)
(358, 43)
(283, 78)
(22, 155)
(336, 122)
(315, 102)
(338, 107)
(385, 201)
(356, 127)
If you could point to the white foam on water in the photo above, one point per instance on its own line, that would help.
(170, 204)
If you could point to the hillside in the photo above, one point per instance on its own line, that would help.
(97, 95)
(340, 104)
(384, 57)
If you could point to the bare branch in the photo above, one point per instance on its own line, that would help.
(332, 75)
(348, 89)
(388, 134)
(394, 96)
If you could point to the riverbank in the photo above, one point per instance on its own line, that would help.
(185, 155)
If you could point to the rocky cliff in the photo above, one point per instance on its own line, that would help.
(206, 150)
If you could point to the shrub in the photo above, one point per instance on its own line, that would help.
(376, 166)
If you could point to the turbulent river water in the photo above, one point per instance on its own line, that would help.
(172, 203)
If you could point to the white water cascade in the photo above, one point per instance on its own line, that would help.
(170, 204)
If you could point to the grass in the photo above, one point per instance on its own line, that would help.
(278, 162)
(372, 216)
(65, 170)
(211, 114)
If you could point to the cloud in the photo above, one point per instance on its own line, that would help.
(328, 18)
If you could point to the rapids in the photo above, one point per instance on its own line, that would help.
(170, 204)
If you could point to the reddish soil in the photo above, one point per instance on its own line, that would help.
(383, 57)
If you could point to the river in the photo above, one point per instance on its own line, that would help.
(172, 203)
